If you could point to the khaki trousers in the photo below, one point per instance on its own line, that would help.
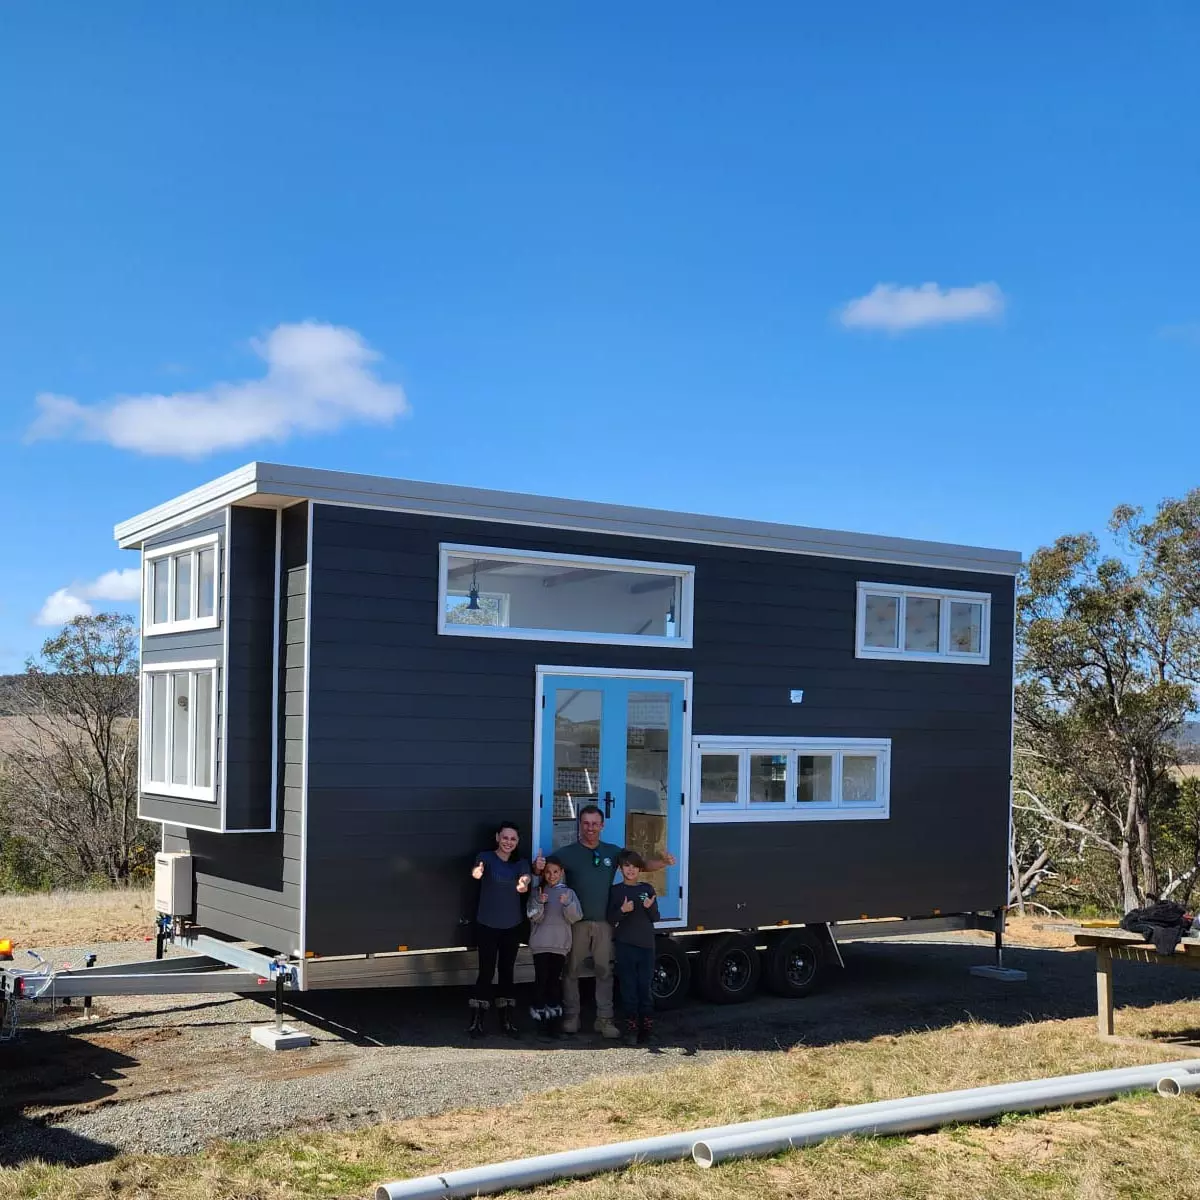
(590, 939)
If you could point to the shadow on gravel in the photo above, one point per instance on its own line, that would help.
(23, 1141)
(887, 988)
(42, 1069)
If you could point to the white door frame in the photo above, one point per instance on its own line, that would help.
(685, 765)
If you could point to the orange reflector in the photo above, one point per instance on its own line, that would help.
(937, 912)
(783, 922)
(699, 927)
(310, 954)
(401, 947)
(5, 947)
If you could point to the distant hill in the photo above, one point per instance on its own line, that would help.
(10, 697)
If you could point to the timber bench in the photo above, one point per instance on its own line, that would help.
(1128, 947)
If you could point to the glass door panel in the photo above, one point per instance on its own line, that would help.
(576, 765)
(617, 743)
(647, 777)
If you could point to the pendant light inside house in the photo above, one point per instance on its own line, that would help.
(473, 594)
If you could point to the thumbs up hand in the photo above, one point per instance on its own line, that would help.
(647, 900)
(627, 906)
(477, 872)
(564, 898)
(523, 884)
(541, 895)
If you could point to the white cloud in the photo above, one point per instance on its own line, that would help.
(61, 607)
(895, 309)
(318, 378)
(115, 585)
(75, 601)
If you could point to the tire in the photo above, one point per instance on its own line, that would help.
(729, 969)
(672, 974)
(794, 963)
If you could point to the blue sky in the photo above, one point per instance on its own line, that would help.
(604, 251)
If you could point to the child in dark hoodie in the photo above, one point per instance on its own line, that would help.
(553, 908)
(632, 911)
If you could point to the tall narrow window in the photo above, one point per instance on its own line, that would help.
(181, 584)
(178, 732)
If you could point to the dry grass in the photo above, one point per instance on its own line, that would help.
(1138, 1146)
(77, 918)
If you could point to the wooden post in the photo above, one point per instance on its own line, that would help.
(1104, 991)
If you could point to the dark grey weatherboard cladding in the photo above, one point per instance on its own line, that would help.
(249, 803)
(418, 744)
(192, 645)
(248, 884)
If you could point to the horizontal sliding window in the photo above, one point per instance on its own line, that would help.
(790, 779)
(489, 592)
(922, 624)
(178, 730)
(180, 586)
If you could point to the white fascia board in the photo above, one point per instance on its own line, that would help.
(237, 485)
(289, 484)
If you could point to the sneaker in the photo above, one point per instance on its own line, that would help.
(570, 1024)
(605, 1028)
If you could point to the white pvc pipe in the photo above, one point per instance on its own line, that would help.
(925, 1113)
(1177, 1082)
(527, 1172)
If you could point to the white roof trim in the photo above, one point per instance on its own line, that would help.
(285, 485)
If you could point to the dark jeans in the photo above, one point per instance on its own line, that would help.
(635, 968)
(497, 952)
(547, 980)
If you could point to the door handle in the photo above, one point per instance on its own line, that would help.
(608, 803)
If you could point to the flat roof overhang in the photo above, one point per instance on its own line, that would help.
(272, 485)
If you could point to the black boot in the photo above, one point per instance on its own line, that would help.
(554, 1018)
(504, 1009)
(645, 1031)
(478, 1008)
(541, 1022)
(631, 1031)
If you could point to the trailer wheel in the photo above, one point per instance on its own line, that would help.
(794, 962)
(729, 969)
(672, 974)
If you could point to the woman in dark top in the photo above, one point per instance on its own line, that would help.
(503, 881)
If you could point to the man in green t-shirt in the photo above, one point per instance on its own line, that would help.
(590, 865)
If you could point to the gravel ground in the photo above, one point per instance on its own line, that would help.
(168, 1075)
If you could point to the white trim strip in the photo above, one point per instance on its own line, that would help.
(302, 948)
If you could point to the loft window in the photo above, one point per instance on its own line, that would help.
(791, 779)
(180, 589)
(178, 731)
(490, 592)
(922, 624)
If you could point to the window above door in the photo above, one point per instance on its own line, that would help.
(485, 591)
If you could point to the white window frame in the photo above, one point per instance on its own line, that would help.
(178, 790)
(944, 654)
(685, 574)
(742, 811)
(192, 546)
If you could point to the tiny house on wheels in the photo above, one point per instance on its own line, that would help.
(347, 681)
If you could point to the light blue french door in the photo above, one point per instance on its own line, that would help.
(616, 743)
